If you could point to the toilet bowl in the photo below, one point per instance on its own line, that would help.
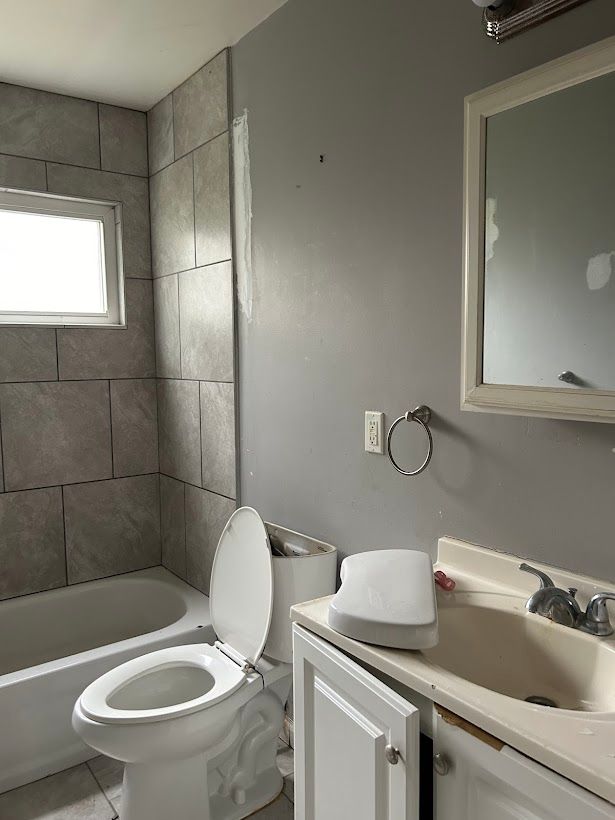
(196, 726)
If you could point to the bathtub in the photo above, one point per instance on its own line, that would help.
(53, 644)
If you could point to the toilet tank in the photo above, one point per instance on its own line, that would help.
(303, 569)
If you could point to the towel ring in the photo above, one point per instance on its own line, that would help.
(421, 415)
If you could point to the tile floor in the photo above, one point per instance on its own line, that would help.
(93, 791)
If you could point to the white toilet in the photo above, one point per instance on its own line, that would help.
(197, 725)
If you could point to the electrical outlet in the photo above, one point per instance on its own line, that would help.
(374, 425)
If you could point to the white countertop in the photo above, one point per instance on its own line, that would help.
(578, 745)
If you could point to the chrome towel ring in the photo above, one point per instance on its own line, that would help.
(421, 415)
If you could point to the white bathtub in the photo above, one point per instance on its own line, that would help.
(53, 644)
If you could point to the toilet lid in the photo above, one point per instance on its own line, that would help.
(241, 589)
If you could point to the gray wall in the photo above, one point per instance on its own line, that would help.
(79, 486)
(357, 288)
(193, 295)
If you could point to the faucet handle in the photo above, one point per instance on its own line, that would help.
(545, 581)
(597, 615)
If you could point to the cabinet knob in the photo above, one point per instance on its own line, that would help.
(441, 764)
(392, 754)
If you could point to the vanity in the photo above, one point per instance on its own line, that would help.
(448, 733)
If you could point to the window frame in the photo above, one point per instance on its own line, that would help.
(109, 214)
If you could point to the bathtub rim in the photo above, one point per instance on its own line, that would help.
(196, 614)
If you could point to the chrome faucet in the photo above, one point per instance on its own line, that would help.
(561, 606)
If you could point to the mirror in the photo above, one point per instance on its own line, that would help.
(539, 330)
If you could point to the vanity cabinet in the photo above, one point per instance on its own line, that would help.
(478, 777)
(356, 741)
(357, 755)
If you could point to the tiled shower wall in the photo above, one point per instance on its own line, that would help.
(193, 296)
(79, 488)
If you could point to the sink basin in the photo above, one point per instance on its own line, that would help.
(491, 640)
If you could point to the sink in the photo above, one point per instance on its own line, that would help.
(491, 640)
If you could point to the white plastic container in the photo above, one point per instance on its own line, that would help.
(306, 569)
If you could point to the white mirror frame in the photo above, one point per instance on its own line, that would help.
(550, 402)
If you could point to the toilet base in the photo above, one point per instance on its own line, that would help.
(173, 789)
(263, 792)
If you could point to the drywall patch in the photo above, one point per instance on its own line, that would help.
(600, 270)
(492, 232)
(242, 190)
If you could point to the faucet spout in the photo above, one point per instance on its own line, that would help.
(551, 602)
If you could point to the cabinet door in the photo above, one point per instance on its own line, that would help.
(344, 721)
(490, 781)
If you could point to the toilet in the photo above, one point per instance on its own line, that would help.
(197, 726)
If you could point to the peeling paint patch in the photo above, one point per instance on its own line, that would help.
(242, 190)
(600, 270)
(492, 232)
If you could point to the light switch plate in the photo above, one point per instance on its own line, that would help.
(374, 431)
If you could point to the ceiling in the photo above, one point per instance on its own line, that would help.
(126, 52)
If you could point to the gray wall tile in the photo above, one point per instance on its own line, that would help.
(28, 354)
(179, 429)
(172, 210)
(173, 525)
(123, 140)
(48, 126)
(1, 465)
(206, 323)
(69, 795)
(111, 527)
(218, 437)
(212, 205)
(160, 134)
(18, 172)
(55, 433)
(206, 516)
(166, 314)
(31, 542)
(131, 191)
(113, 353)
(134, 427)
(200, 108)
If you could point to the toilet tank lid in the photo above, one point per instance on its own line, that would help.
(241, 588)
(387, 597)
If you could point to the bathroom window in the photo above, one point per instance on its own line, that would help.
(60, 261)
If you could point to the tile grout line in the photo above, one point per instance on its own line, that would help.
(194, 208)
(185, 532)
(197, 487)
(160, 514)
(103, 792)
(64, 534)
(201, 432)
(172, 126)
(77, 584)
(93, 379)
(57, 359)
(2, 453)
(184, 270)
(72, 165)
(111, 429)
(179, 330)
(196, 148)
(82, 483)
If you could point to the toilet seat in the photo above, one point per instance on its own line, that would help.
(178, 681)
(170, 683)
